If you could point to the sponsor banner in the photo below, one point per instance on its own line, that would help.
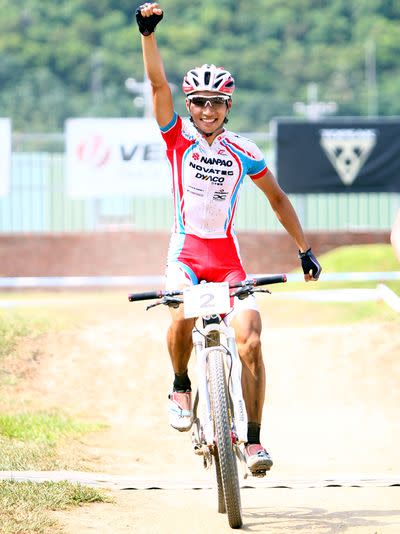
(5, 156)
(339, 155)
(115, 157)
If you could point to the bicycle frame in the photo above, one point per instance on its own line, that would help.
(209, 339)
(221, 425)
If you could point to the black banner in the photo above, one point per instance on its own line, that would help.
(338, 155)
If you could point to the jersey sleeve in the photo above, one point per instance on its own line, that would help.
(171, 131)
(257, 165)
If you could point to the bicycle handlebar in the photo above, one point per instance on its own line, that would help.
(257, 281)
(262, 281)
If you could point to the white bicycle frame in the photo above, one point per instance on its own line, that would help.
(233, 369)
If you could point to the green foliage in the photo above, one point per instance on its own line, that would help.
(64, 59)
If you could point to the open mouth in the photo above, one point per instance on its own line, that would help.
(208, 121)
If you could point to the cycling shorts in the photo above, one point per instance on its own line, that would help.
(192, 259)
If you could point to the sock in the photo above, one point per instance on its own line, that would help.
(182, 382)
(253, 432)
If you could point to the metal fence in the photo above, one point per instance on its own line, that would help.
(38, 201)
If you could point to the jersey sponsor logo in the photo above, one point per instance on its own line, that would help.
(220, 195)
(210, 170)
(195, 191)
(348, 149)
(216, 161)
(213, 179)
(196, 156)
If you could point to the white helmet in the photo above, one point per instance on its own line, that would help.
(208, 78)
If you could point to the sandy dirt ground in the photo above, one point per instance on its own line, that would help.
(332, 412)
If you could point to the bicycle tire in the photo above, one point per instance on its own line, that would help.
(226, 456)
(220, 487)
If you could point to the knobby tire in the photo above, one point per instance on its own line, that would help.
(220, 487)
(226, 465)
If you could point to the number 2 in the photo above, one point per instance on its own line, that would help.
(207, 298)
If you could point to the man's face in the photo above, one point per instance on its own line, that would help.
(208, 109)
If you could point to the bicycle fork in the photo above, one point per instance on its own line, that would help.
(204, 423)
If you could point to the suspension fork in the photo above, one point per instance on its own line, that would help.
(203, 344)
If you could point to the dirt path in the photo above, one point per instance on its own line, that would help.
(332, 410)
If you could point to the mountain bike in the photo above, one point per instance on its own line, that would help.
(219, 427)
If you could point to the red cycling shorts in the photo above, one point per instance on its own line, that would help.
(192, 259)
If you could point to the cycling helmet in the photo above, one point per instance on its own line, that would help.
(208, 78)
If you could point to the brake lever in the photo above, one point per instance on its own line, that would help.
(168, 301)
(242, 292)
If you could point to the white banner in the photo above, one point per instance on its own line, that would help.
(5, 156)
(115, 157)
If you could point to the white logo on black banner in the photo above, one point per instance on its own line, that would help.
(348, 150)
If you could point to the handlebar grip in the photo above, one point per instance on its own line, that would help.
(272, 279)
(148, 295)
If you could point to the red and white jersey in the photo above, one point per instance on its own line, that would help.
(207, 179)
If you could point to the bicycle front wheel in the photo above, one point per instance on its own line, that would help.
(225, 453)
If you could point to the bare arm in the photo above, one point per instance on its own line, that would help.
(162, 98)
(284, 211)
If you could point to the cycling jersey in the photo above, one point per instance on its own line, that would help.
(207, 179)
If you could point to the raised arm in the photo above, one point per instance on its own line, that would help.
(148, 16)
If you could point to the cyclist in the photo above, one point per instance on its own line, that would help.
(208, 166)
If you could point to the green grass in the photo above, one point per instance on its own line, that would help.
(360, 258)
(357, 258)
(30, 440)
(44, 427)
(24, 506)
(17, 455)
(32, 313)
(12, 328)
(16, 324)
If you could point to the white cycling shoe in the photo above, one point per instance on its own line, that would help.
(258, 459)
(180, 410)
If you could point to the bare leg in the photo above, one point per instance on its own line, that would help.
(179, 340)
(247, 325)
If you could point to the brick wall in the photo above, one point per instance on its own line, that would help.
(132, 253)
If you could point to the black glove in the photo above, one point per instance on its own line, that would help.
(310, 263)
(147, 24)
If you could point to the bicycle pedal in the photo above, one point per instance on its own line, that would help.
(259, 474)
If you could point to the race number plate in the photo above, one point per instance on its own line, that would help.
(206, 299)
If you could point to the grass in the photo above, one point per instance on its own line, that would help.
(12, 328)
(24, 506)
(29, 440)
(33, 313)
(42, 427)
(357, 258)
(360, 258)
(16, 324)
(292, 313)
(32, 440)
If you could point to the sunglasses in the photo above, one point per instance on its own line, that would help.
(212, 101)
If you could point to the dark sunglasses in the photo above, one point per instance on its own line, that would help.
(202, 101)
